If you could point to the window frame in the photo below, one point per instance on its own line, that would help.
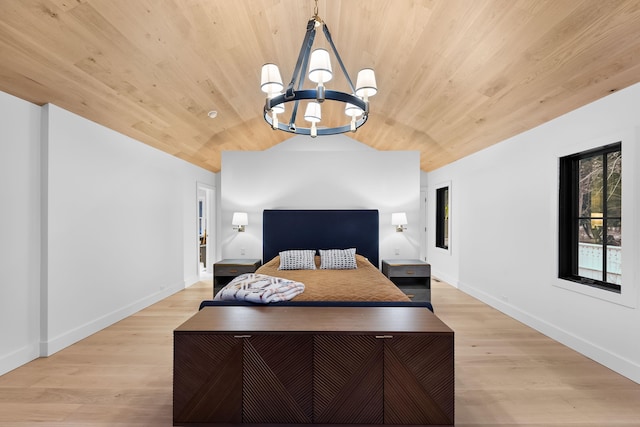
(569, 217)
(443, 218)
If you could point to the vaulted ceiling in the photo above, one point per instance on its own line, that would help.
(454, 76)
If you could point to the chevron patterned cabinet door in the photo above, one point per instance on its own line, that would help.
(347, 379)
(419, 380)
(207, 376)
(277, 378)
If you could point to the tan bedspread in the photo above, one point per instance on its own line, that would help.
(366, 283)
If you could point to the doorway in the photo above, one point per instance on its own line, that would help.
(205, 212)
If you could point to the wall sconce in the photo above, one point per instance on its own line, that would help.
(239, 220)
(399, 219)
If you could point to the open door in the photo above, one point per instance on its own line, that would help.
(206, 229)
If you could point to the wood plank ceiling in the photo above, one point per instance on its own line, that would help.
(454, 76)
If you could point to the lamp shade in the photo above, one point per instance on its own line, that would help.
(312, 113)
(366, 83)
(278, 109)
(271, 81)
(352, 110)
(398, 218)
(240, 218)
(320, 66)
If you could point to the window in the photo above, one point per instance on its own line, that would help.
(442, 218)
(590, 218)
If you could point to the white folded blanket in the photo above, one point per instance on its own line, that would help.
(259, 288)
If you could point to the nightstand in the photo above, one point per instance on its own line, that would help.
(224, 271)
(412, 276)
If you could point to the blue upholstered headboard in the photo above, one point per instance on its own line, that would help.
(321, 229)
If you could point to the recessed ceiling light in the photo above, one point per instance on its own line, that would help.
(212, 114)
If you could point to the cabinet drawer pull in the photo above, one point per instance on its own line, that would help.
(233, 271)
(410, 272)
(384, 336)
(242, 336)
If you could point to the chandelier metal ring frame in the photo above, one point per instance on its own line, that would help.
(356, 103)
(312, 94)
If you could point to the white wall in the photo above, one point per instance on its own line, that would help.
(121, 226)
(332, 172)
(19, 231)
(504, 210)
(94, 227)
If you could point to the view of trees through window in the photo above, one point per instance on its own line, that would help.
(591, 217)
(600, 221)
(593, 199)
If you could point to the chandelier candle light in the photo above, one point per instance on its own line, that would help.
(318, 63)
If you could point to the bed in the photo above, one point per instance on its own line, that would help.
(362, 283)
(322, 232)
(351, 349)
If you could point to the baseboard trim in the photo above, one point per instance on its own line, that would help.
(191, 280)
(444, 277)
(62, 341)
(599, 354)
(17, 358)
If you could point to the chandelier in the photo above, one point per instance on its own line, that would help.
(318, 64)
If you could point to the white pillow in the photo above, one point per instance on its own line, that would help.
(297, 260)
(338, 259)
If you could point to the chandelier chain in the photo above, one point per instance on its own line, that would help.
(316, 18)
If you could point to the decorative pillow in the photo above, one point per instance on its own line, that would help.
(297, 260)
(338, 259)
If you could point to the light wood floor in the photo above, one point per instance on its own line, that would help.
(506, 374)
